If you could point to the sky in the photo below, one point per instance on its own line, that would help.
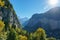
(26, 8)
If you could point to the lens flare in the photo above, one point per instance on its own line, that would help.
(53, 2)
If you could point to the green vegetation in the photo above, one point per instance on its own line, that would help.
(2, 3)
(40, 34)
(20, 34)
(1, 25)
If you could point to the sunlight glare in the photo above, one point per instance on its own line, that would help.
(53, 2)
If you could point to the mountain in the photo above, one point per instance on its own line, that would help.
(23, 20)
(49, 20)
(8, 15)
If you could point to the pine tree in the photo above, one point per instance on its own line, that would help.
(12, 35)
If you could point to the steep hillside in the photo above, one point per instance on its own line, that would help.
(50, 21)
(8, 15)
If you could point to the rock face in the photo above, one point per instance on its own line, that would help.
(50, 21)
(8, 15)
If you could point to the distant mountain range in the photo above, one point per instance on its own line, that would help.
(49, 20)
(23, 20)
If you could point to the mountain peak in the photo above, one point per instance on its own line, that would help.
(50, 21)
(55, 9)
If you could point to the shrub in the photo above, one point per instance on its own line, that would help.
(2, 3)
(40, 34)
(1, 25)
(22, 37)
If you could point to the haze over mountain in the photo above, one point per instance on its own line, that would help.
(49, 20)
(23, 20)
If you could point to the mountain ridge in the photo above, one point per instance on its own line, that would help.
(49, 21)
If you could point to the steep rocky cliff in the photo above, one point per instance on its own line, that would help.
(8, 15)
